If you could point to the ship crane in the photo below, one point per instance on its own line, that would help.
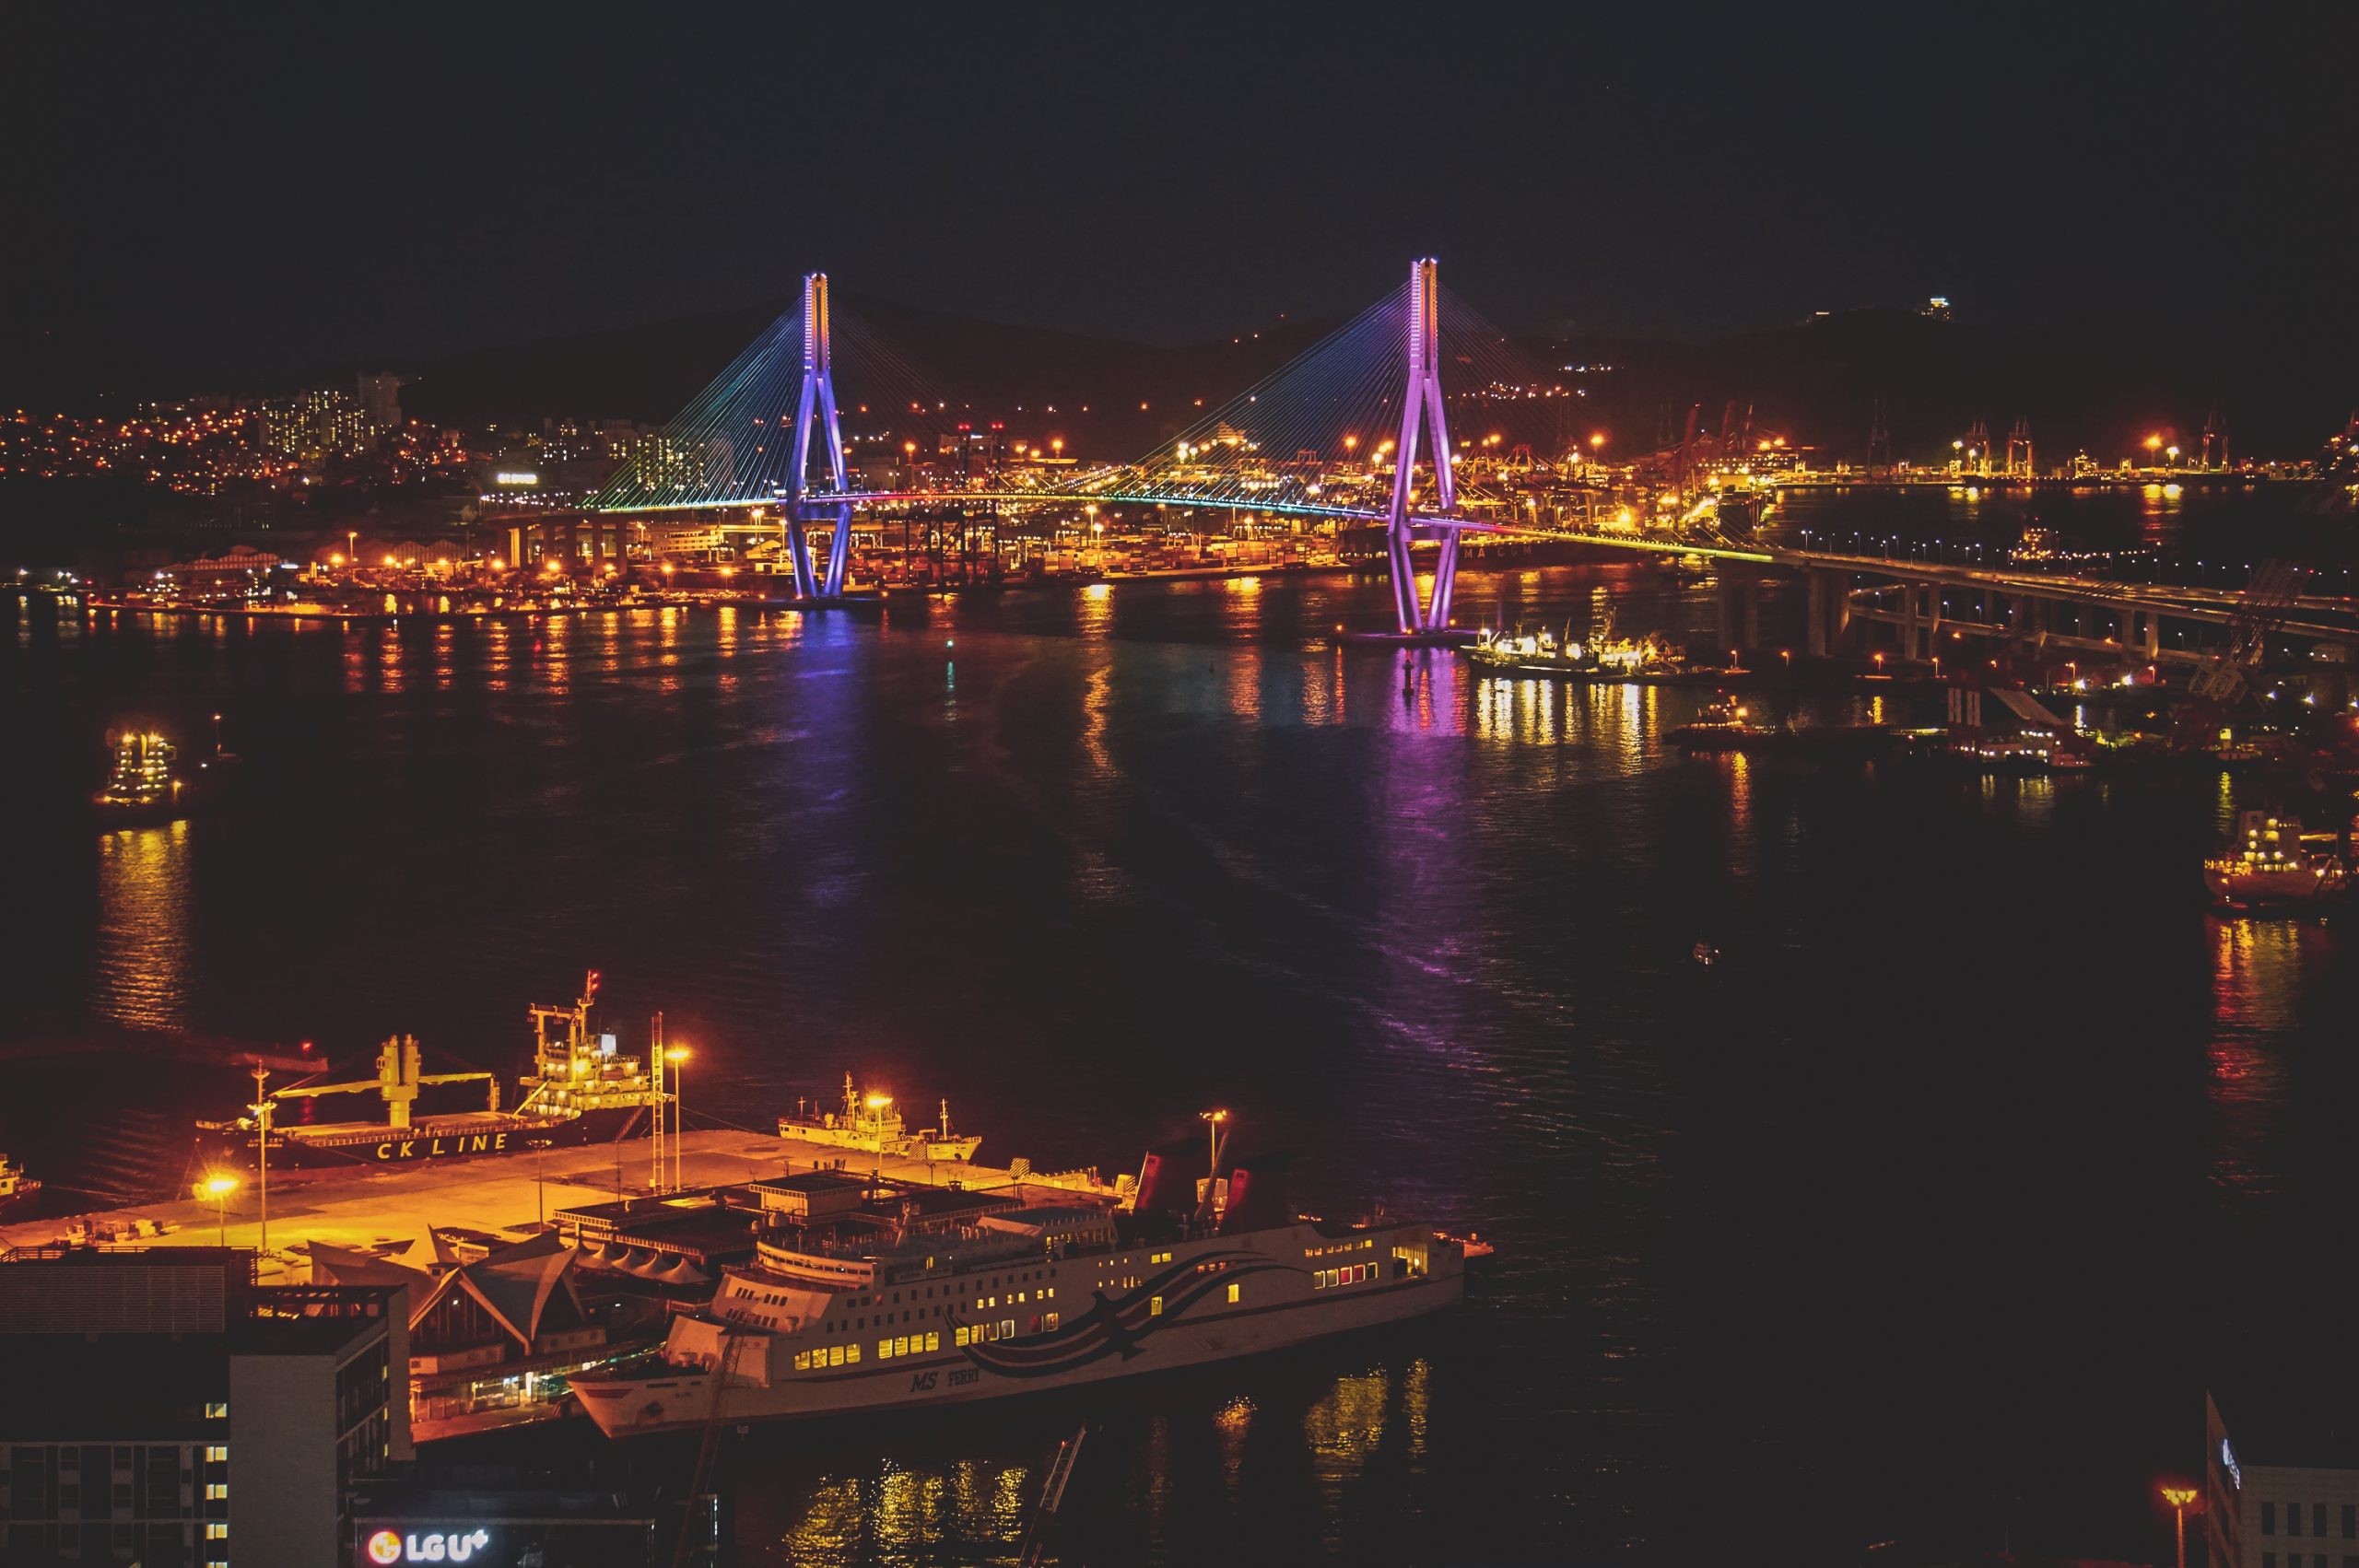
(1053, 1496)
(2222, 682)
(398, 1080)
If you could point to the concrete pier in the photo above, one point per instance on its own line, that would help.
(382, 1208)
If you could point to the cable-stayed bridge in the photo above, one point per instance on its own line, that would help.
(1355, 431)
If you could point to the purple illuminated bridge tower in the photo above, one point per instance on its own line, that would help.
(1423, 403)
(818, 395)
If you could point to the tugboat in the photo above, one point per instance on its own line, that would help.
(1603, 657)
(2028, 751)
(1719, 726)
(2036, 545)
(870, 1124)
(2274, 864)
(580, 1090)
(17, 1190)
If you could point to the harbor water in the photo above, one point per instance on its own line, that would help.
(1922, 1213)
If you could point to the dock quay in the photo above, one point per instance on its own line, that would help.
(393, 1210)
(617, 1254)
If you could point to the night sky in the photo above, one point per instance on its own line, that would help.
(194, 195)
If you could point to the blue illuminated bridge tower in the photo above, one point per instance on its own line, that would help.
(816, 396)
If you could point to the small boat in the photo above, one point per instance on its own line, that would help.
(2274, 864)
(870, 1124)
(17, 1190)
(1604, 657)
(2036, 545)
(1721, 725)
(2028, 751)
(146, 786)
(143, 786)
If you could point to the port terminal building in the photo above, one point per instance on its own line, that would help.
(160, 1407)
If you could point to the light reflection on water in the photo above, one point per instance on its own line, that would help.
(140, 977)
(898, 1515)
(2256, 967)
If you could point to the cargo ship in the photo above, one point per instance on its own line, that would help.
(870, 1124)
(17, 1190)
(2274, 864)
(869, 1295)
(580, 1090)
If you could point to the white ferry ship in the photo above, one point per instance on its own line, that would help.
(868, 1294)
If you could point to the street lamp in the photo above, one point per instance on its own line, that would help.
(217, 1187)
(2178, 1497)
(262, 1109)
(1213, 1120)
(676, 1056)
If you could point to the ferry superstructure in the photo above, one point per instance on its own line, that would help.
(868, 1295)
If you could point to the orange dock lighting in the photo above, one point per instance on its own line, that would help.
(1213, 1120)
(2179, 1498)
(676, 1055)
(217, 1187)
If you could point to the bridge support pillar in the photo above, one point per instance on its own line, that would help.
(798, 552)
(1740, 606)
(1925, 610)
(1830, 615)
(838, 554)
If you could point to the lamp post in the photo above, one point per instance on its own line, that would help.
(1213, 1120)
(2178, 1497)
(217, 1187)
(677, 1056)
(262, 1108)
(656, 1049)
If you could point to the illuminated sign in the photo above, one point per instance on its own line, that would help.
(389, 1547)
(515, 476)
(2228, 1461)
